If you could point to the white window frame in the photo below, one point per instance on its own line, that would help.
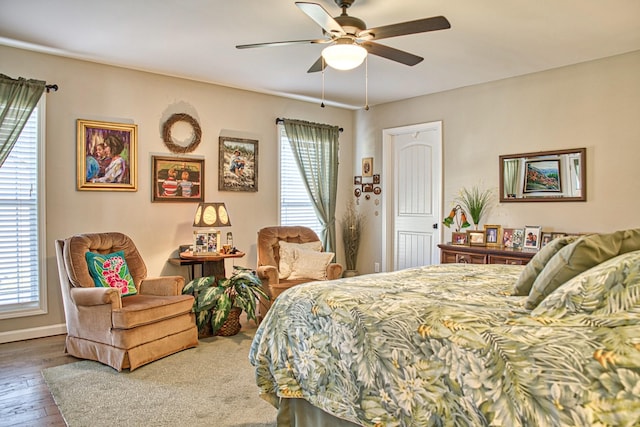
(283, 143)
(39, 307)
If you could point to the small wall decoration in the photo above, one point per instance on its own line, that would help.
(376, 178)
(367, 166)
(357, 180)
(106, 156)
(532, 237)
(238, 169)
(177, 179)
(171, 132)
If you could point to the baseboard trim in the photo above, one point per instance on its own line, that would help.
(27, 334)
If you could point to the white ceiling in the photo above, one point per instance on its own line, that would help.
(196, 39)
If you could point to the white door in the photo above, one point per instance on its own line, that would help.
(412, 166)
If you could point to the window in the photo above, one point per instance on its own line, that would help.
(22, 283)
(295, 206)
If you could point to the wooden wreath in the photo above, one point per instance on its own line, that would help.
(168, 139)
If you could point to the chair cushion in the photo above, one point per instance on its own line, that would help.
(144, 309)
(287, 255)
(111, 271)
(310, 264)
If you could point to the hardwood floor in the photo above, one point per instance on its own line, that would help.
(25, 399)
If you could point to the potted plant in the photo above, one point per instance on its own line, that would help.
(476, 202)
(351, 232)
(219, 302)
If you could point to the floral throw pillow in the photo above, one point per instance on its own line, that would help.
(111, 271)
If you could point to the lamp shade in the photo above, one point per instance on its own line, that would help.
(211, 215)
(344, 56)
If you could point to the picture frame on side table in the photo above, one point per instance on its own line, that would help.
(207, 242)
(493, 235)
(458, 238)
(518, 238)
(238, 164)
(532, 237)
(177, 179)
(507, 237)
(107, 156)
(476, 238)
(545, 239)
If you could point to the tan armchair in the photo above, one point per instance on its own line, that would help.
(269, 261)
(121, 331)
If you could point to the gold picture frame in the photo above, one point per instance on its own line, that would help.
(107, 156)
(493, 235)
(367, 166)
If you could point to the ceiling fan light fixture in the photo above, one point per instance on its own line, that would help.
(344, 56)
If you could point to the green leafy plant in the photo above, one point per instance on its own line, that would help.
(351, 233)
(214, 298)
(475, 201)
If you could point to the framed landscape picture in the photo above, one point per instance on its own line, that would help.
(542, 176)
(238, 168)
(177, 179)
(106, 156)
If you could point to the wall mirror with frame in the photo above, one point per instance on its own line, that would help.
(544, 176)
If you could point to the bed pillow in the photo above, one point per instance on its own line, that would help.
(287, 255)
(311, 264)
(111, 271)
(579, 256)
(609, 288)
(538, 262)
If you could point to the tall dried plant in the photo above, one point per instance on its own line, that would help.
(351, 232)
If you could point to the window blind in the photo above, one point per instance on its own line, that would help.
(20, 281)
(295, 206)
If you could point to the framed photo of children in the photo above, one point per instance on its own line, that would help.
(177, 179)
(106, 156)
(238, 169)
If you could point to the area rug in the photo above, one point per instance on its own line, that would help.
(210, 385)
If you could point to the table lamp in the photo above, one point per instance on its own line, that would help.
(209, 215)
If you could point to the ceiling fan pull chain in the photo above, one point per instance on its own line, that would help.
(366, 83)
(322, 103)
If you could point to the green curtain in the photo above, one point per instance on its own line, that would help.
(315, 149)
(18, 98)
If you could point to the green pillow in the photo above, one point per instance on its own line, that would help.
(607, 289)
(538, 262)
(111, 271)
(579, 256)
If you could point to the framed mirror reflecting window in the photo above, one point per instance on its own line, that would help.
(544, 176)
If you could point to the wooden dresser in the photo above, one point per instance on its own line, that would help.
(483, 255)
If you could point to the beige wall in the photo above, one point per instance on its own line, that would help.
(594, 105)
(99, 92)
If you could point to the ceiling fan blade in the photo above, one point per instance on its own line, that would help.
(321, 17)
(319, 65)
(411, 27)
(283, 43)
(392, 53)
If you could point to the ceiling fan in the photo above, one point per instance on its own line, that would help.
(350, 39)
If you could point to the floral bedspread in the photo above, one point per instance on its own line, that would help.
(446, 345)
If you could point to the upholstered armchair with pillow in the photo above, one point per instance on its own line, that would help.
(114, 313)
(289, 256)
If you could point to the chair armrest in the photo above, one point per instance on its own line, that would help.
(96, 296)
(162, 286)
(268, 272)
(334, 271)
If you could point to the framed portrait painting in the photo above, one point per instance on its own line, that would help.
(106, 156)
(238, 168)
(177, 179)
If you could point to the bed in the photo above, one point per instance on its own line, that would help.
(450, 344)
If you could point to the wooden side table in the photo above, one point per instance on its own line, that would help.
(210, 265)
